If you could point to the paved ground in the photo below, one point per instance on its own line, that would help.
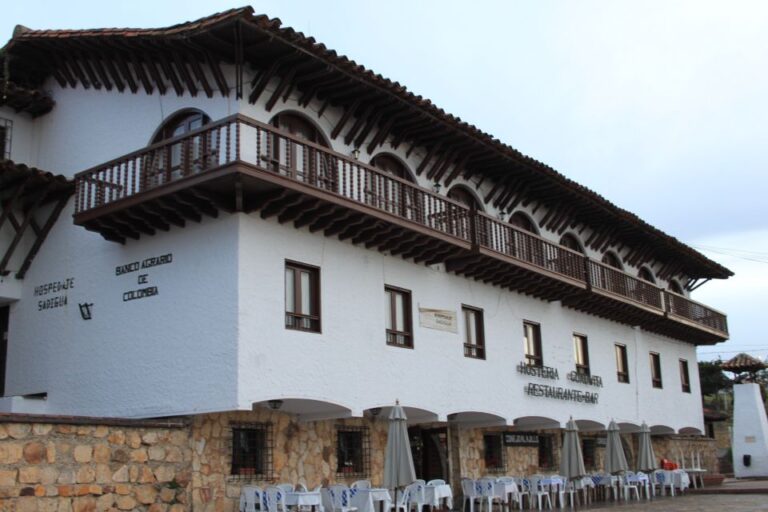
(691, 503)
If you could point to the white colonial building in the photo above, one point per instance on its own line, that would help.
(226, 216)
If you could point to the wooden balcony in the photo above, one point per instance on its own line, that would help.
(241, 165)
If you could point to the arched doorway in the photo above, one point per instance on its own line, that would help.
(185, 156)
(391, 195)
(293, 157)
(525, 247)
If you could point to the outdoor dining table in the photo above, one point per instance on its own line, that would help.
(436, 492)
(365, 499)
(503, 489)
(696, 474)
(304, 499)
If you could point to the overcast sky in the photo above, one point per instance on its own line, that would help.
(660, 106)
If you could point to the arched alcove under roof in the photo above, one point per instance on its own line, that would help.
(393, 165)
(523, 221)
(179, 123)
(675, 287)
(465, 196)
(570, 241)
(300, 126)
(612, 259)
(646, 275)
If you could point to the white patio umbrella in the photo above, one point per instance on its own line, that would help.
(571, 459)
(646, 459)
(615, 460)
(398, 462)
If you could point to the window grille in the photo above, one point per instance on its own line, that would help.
(493, 453)
(353, 454)
(251, 446)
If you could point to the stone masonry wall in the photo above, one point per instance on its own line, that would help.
(64, 467)
(52, 464)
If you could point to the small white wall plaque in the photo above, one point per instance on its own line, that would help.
(440, 319)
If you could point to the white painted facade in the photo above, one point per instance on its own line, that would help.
(213, 338)
(750, 432)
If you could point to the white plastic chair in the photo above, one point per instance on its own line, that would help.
(415, 495)
(341, 499)
(401, 501)
(273, 499)
(300, 487)
(660, 476)
(471, 493)
(285, 487)
(630, 484)
(436, 482)
(488, 492)
(250, 498)
(516, 496)
(361, 484)
(535, 489)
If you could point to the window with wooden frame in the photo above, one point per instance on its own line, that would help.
(352, 451)
(622, 366)
(302, 297)
(252, 450)
(397, 311)
(474, 332)
(493, 453)
(532, 342)
(5, 138)
(656, 370)
(581, 353)
(685, 379)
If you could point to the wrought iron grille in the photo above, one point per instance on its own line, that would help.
(353, 454)
(251, 446)
(494, 453)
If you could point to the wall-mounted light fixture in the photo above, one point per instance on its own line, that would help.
(85, 310)
(275, 404)
(436, 187)
(356, 153)
(375, 411)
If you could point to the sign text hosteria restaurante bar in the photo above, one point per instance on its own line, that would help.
(556, 392)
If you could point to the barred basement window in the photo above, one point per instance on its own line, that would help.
(352, 451)
(5, 138)
(493, 453)
(588, 446)
(252, 450)
(546, 452)
(302, 297)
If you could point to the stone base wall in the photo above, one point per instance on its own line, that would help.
(65, 467)
(85, 465)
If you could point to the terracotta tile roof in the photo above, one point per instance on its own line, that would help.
(700, 265)
(11, 173)
(743, 363)
(32, 101)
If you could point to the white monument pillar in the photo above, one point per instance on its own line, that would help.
(750, 432)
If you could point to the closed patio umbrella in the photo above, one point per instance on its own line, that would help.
(398, 462)
(646, 459)
(572, 460)
(615, 460)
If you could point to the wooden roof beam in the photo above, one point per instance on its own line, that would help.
(284, 81)
(348, 112)
(181, 67)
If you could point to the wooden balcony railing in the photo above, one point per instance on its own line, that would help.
(529, 248)
(698, 313)
(241, 141)
(607, 278)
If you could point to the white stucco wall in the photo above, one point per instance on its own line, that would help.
(750, 431)
(350, 364)
(172, 353)
(214, 338)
